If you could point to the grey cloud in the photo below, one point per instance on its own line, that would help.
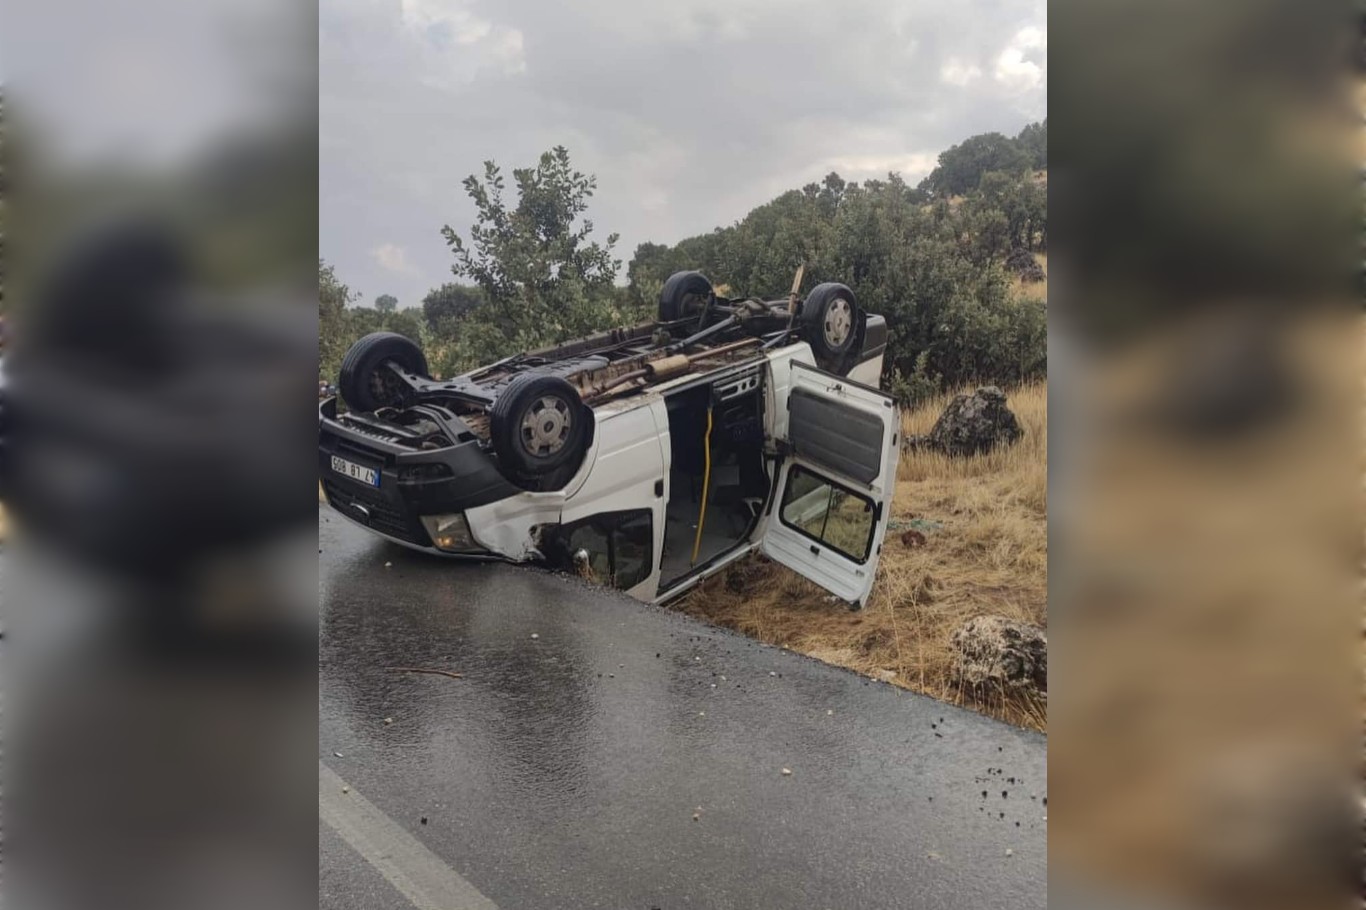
(689, 113)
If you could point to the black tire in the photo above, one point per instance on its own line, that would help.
(832, 324)
(366, 382)
(684, 295)
(539, 427)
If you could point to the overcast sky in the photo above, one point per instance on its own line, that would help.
(690, 112)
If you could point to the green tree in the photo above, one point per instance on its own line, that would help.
(405, 322)
(962, 166)
(386, 303)
(1005, 212)
(334, 325)
(444, 307)
(542, 278)
(1033, 140)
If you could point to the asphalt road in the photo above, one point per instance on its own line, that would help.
(603, 753)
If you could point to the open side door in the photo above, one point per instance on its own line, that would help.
(834, 489)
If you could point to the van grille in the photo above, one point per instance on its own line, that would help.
(382, 516)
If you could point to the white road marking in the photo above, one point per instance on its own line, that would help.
(418, 873)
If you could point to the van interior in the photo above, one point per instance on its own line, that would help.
(721, 469)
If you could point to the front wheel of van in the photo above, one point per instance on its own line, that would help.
(539, 428)
(366, 382)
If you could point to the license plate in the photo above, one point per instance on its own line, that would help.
(355, 471)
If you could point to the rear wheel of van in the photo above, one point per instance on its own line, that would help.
(366, 382)
(832, 324)
(684, 295)
(539, 428)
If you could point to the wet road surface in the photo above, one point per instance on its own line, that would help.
(565, 768)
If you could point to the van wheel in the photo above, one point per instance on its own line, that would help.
(831, 321)
(684, 295)
(539, 426)
(366, 382)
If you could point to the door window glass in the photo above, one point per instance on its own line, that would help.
(828, 513)
(614, 548)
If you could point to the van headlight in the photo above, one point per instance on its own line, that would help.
(450, 533)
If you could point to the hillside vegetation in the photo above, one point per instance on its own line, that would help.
(930, 257)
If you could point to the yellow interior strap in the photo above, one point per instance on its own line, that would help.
(706, 486)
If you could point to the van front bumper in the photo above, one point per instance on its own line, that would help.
(412, 483)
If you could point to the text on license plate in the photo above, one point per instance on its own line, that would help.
(355, 471)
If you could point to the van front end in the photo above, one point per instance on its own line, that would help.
(415, 497)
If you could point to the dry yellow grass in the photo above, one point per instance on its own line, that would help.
(990, 556)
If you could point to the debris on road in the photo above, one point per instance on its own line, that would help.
(787, 772)
(451, 674)
(912, 539)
